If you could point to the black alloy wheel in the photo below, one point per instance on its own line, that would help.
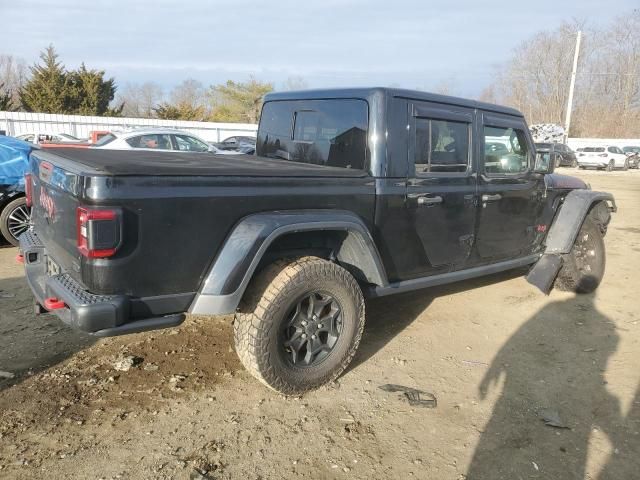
(312, 329)
(15, 219)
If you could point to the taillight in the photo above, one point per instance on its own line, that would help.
(98, 231)
(28, 189)
(603, 155)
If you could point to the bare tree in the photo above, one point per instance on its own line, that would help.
(610, 100)
(535, 79)
(139, 99)
(446, 86)
(295, 82)
(13, 75)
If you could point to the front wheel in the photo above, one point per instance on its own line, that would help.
(626, 165)
(299, 324)
(574, 163)
(15, 219)
(583, 268)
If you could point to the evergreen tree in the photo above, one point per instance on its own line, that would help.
(5, 99)
(180, 111)
(48, 89)
(239, 101)
(90, 93)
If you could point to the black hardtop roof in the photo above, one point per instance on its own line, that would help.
(366, 92)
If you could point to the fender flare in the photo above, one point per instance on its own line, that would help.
(563, 232)
(230, 273)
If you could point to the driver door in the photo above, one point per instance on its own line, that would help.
(510, 194)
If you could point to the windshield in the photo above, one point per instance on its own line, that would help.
(631, 149)
(109, 137)
(593, 149)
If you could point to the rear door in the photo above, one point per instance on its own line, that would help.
(510, 195)
(441, 185)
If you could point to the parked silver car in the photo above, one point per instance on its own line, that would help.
(156, 139)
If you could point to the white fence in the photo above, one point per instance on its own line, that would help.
(18, 123)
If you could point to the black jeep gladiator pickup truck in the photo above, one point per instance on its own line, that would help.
(352, 193)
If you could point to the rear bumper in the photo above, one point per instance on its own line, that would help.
(593, 163)
(100, 315)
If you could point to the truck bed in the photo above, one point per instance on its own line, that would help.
(163, 163)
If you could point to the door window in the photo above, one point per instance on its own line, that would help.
(505, 151)
(186, 143)
(441, 146)
(158, 141)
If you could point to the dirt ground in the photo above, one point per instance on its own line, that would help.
(527, 386)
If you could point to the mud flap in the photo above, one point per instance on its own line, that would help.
(544, 272)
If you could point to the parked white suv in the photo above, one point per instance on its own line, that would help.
(605, 157)
(155, 139)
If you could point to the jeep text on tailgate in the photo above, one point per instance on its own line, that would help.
(352, 194)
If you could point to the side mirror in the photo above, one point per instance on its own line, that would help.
(546, 161)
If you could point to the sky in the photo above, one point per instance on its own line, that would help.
(329, 43)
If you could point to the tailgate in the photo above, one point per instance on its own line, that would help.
(55, 196)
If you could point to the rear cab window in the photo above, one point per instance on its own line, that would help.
(330, 132)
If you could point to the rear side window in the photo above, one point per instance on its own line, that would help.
(108, 138)
(441, 146)
(594, 149)
(322, 132)
(505, 151)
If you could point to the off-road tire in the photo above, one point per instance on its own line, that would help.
(270, 297)
(8, 209)
(573, 275)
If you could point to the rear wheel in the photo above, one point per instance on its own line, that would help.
(626, 165)
(574, 163)
(299, 324)
(610, 166)
(583, 268)
(15, 219)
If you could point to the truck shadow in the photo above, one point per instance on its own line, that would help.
(388, 316)
(30, 343)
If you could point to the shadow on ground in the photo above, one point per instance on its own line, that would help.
(553, 398)
(388, 316)
(30, 343)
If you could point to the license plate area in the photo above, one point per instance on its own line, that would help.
(53, 268)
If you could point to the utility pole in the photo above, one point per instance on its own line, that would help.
(576, 54)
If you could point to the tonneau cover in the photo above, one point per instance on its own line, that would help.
(145, 162)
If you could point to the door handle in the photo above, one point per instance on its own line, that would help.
(491, 198)
(429, 200)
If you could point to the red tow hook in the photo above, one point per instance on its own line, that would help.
(20, 258)
(53, 303)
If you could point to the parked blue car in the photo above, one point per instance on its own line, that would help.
(14, 212)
